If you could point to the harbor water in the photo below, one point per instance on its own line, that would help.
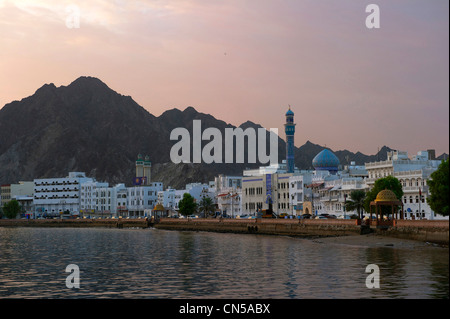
(151, 263)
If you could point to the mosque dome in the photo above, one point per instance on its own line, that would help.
(386, 196)
(289, 112)
(326, 161)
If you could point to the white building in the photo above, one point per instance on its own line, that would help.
(88, 197)
(299, 192)
(110, 200)
(413, 174)
(53, 196)
(229, 194)
(121, 200)
(170, 198)
(199, 191)
(142, 198)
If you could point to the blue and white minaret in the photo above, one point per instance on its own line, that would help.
(289, 128)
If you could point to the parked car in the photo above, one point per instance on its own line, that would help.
(321, 217)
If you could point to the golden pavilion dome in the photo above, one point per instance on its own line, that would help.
(386, 196)
(159, 207)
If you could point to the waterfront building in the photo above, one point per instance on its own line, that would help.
(336, 192)
(170, 198)
(121, 200)
(53, 196)
(329, 187)
(5, 191)
(299, 192)
(110, 200)
(22, 192)
(23, 189)
(89, 199)
(269, 185)
(413, 174)
(142, 198)
(200, 190)
(260, 190)
(229, 195)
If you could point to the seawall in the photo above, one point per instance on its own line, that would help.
(434, 231)
(423, 230)
(110, 223)
(286, 227)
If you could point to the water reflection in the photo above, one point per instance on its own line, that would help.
(163, 264)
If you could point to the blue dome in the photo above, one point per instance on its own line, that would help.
(326, 161)
(289, 112)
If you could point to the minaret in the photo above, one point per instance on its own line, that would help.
(290, 131)
(139, 166)
(147, 170)
(143, 170)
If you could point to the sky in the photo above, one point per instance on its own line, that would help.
(350, 86)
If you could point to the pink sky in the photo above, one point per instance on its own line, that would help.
(350, 87)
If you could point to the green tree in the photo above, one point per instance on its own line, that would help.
(439, 189)
(187, 205)
(11, 209)
(206, 206)
(388, 182)
(356, 202)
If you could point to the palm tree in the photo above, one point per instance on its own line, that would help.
(356, 202)
(206, 206)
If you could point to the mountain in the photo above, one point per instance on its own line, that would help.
(88, 127)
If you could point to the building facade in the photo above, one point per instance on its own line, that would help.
(260, 190)
(54, 196)
(228, 195)
(141, 199)
(413, 174)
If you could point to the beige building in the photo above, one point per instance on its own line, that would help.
(5, 192)
(258, 190)
(14, 191)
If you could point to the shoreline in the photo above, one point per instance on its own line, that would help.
(375, 240)
(345, 232)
